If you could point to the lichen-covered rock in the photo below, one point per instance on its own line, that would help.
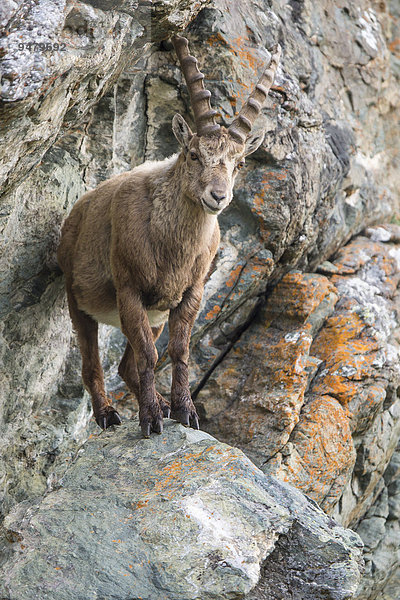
(320, 457)
(308, 390)
(254, 397)
(180, 516)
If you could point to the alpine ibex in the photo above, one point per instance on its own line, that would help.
(136, 250)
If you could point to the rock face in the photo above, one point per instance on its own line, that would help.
(295, 352)
(309, 393)
(179, 516)
(318, 408)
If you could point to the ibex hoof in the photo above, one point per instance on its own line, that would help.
(164, 405)
(110, 418)
(156, 426)
(186, 417)
(146, 430)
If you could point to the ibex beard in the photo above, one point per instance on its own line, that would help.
(136, 251)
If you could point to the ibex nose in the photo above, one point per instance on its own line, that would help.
(218, 197)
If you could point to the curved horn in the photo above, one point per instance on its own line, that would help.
(241, 126)
(204, 115)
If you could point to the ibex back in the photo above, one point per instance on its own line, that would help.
(136, 250)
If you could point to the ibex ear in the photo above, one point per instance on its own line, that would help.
(182, 131)
(253, 142)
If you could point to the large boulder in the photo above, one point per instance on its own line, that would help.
(179, 516)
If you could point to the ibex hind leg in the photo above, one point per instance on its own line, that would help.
(92, 372)
(129, 373)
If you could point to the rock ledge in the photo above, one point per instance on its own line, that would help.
(180, 516)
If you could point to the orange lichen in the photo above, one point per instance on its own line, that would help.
(343, 390)
(361, 251)
(172, 477)
(248, 58)
(297, 296)
(325, 454)
(215, 38)
(140, 504)
(338, 330)
(238, 47)
(233, 276)
(394, 46)
(264, 195)
(117, 395)
(213, 312)
(286, 362)
(348, 350)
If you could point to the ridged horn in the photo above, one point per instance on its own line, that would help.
(241, 126)
(204, 115)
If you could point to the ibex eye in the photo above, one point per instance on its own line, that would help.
(240, 164)
(194, 156)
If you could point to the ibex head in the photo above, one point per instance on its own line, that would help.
(214, 155)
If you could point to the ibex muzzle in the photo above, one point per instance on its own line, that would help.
(136, 250)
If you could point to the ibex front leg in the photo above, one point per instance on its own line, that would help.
(129, 373)
(135, 325)
(180, 324)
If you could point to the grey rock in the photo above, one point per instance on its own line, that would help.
(380, 532)
(46, 91)
(180, 516)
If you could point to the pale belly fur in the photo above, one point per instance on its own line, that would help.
(156, 317)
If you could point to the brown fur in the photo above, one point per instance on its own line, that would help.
(144, 241)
